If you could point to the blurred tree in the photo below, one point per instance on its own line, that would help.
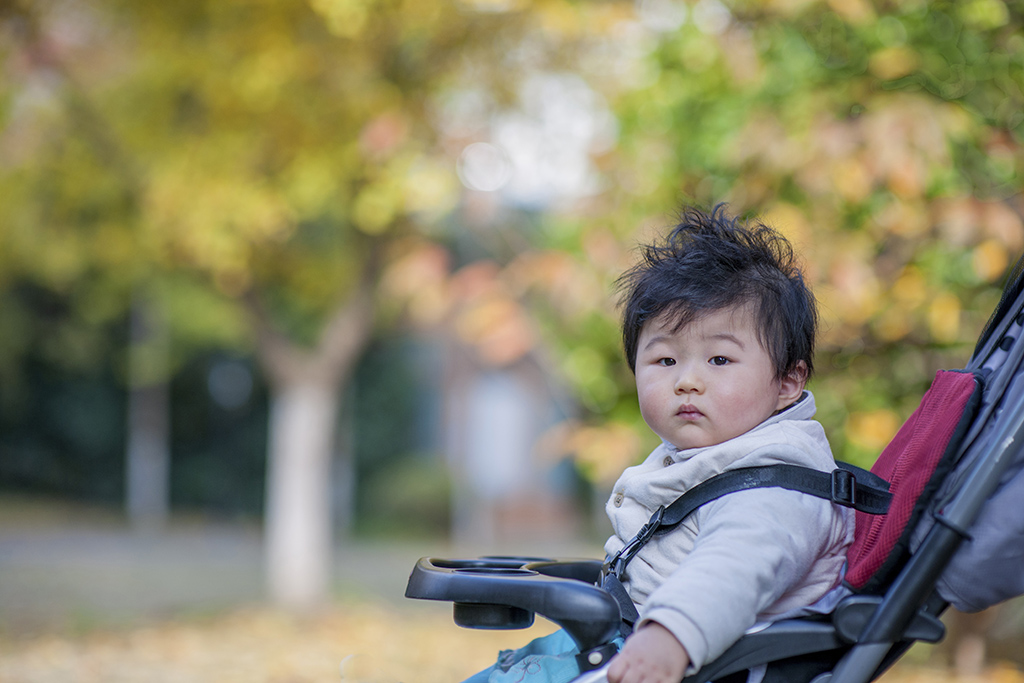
(884, 138)
(242, 168)
(256, 169)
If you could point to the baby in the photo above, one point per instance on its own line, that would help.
(719, 330)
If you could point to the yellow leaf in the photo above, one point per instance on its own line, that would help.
(375, 208)
(344, 18)
(990, 259)
(856, 12)
(604, 451)
(852, 180)
(872, 429)
(893, 325)
(910, 289)
(492, 5)
(944, 317)
(893, 62)
(791, 222)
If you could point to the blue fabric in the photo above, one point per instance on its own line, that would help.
(548, 659)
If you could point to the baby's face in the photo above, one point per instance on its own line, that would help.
(708, 382)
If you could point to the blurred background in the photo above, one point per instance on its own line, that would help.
(294, 291)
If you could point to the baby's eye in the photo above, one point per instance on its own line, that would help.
(719, 360)
(667, 362)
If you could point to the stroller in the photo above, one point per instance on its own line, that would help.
(947, 532)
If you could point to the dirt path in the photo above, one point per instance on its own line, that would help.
(68, 566)
(78, 566)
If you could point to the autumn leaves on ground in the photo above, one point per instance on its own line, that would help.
(358, 641)
(354, 641)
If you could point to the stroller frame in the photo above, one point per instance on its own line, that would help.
(860, 639)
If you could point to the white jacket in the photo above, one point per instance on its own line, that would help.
(744, 558)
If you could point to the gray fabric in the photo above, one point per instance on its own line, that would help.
(989, 567)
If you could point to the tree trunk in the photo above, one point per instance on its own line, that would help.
(298, 512)
(147, 474)
(148, 451)
(305, 389)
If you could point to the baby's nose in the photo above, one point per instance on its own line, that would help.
(688, 380)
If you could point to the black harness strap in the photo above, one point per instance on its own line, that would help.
(848, 485)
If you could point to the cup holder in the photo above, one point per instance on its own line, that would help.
(495, 571)
(487, 563)
(515, 559)
(491, 617)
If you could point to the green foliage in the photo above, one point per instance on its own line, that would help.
(409, 499)
(219, 446)
(61, 428)
(210, 153)
(263, 148)
(238, 167)
(885, 139)
(403, 490)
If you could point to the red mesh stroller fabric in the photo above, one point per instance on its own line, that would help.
(920, 454)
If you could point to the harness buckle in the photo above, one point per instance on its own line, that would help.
(617, 564)
(844, 487)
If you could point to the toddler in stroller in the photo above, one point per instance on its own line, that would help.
(719, 331)
(780, 550)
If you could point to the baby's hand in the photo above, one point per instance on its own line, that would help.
(651, 655)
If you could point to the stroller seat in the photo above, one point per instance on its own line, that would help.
(894, 565)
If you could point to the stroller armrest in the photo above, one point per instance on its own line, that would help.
(781, 640)
(500, 593)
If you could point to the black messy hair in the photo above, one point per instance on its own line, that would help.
(710, 262)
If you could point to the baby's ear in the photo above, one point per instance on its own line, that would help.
(792, 385)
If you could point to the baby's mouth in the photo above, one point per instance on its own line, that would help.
(689, 413)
